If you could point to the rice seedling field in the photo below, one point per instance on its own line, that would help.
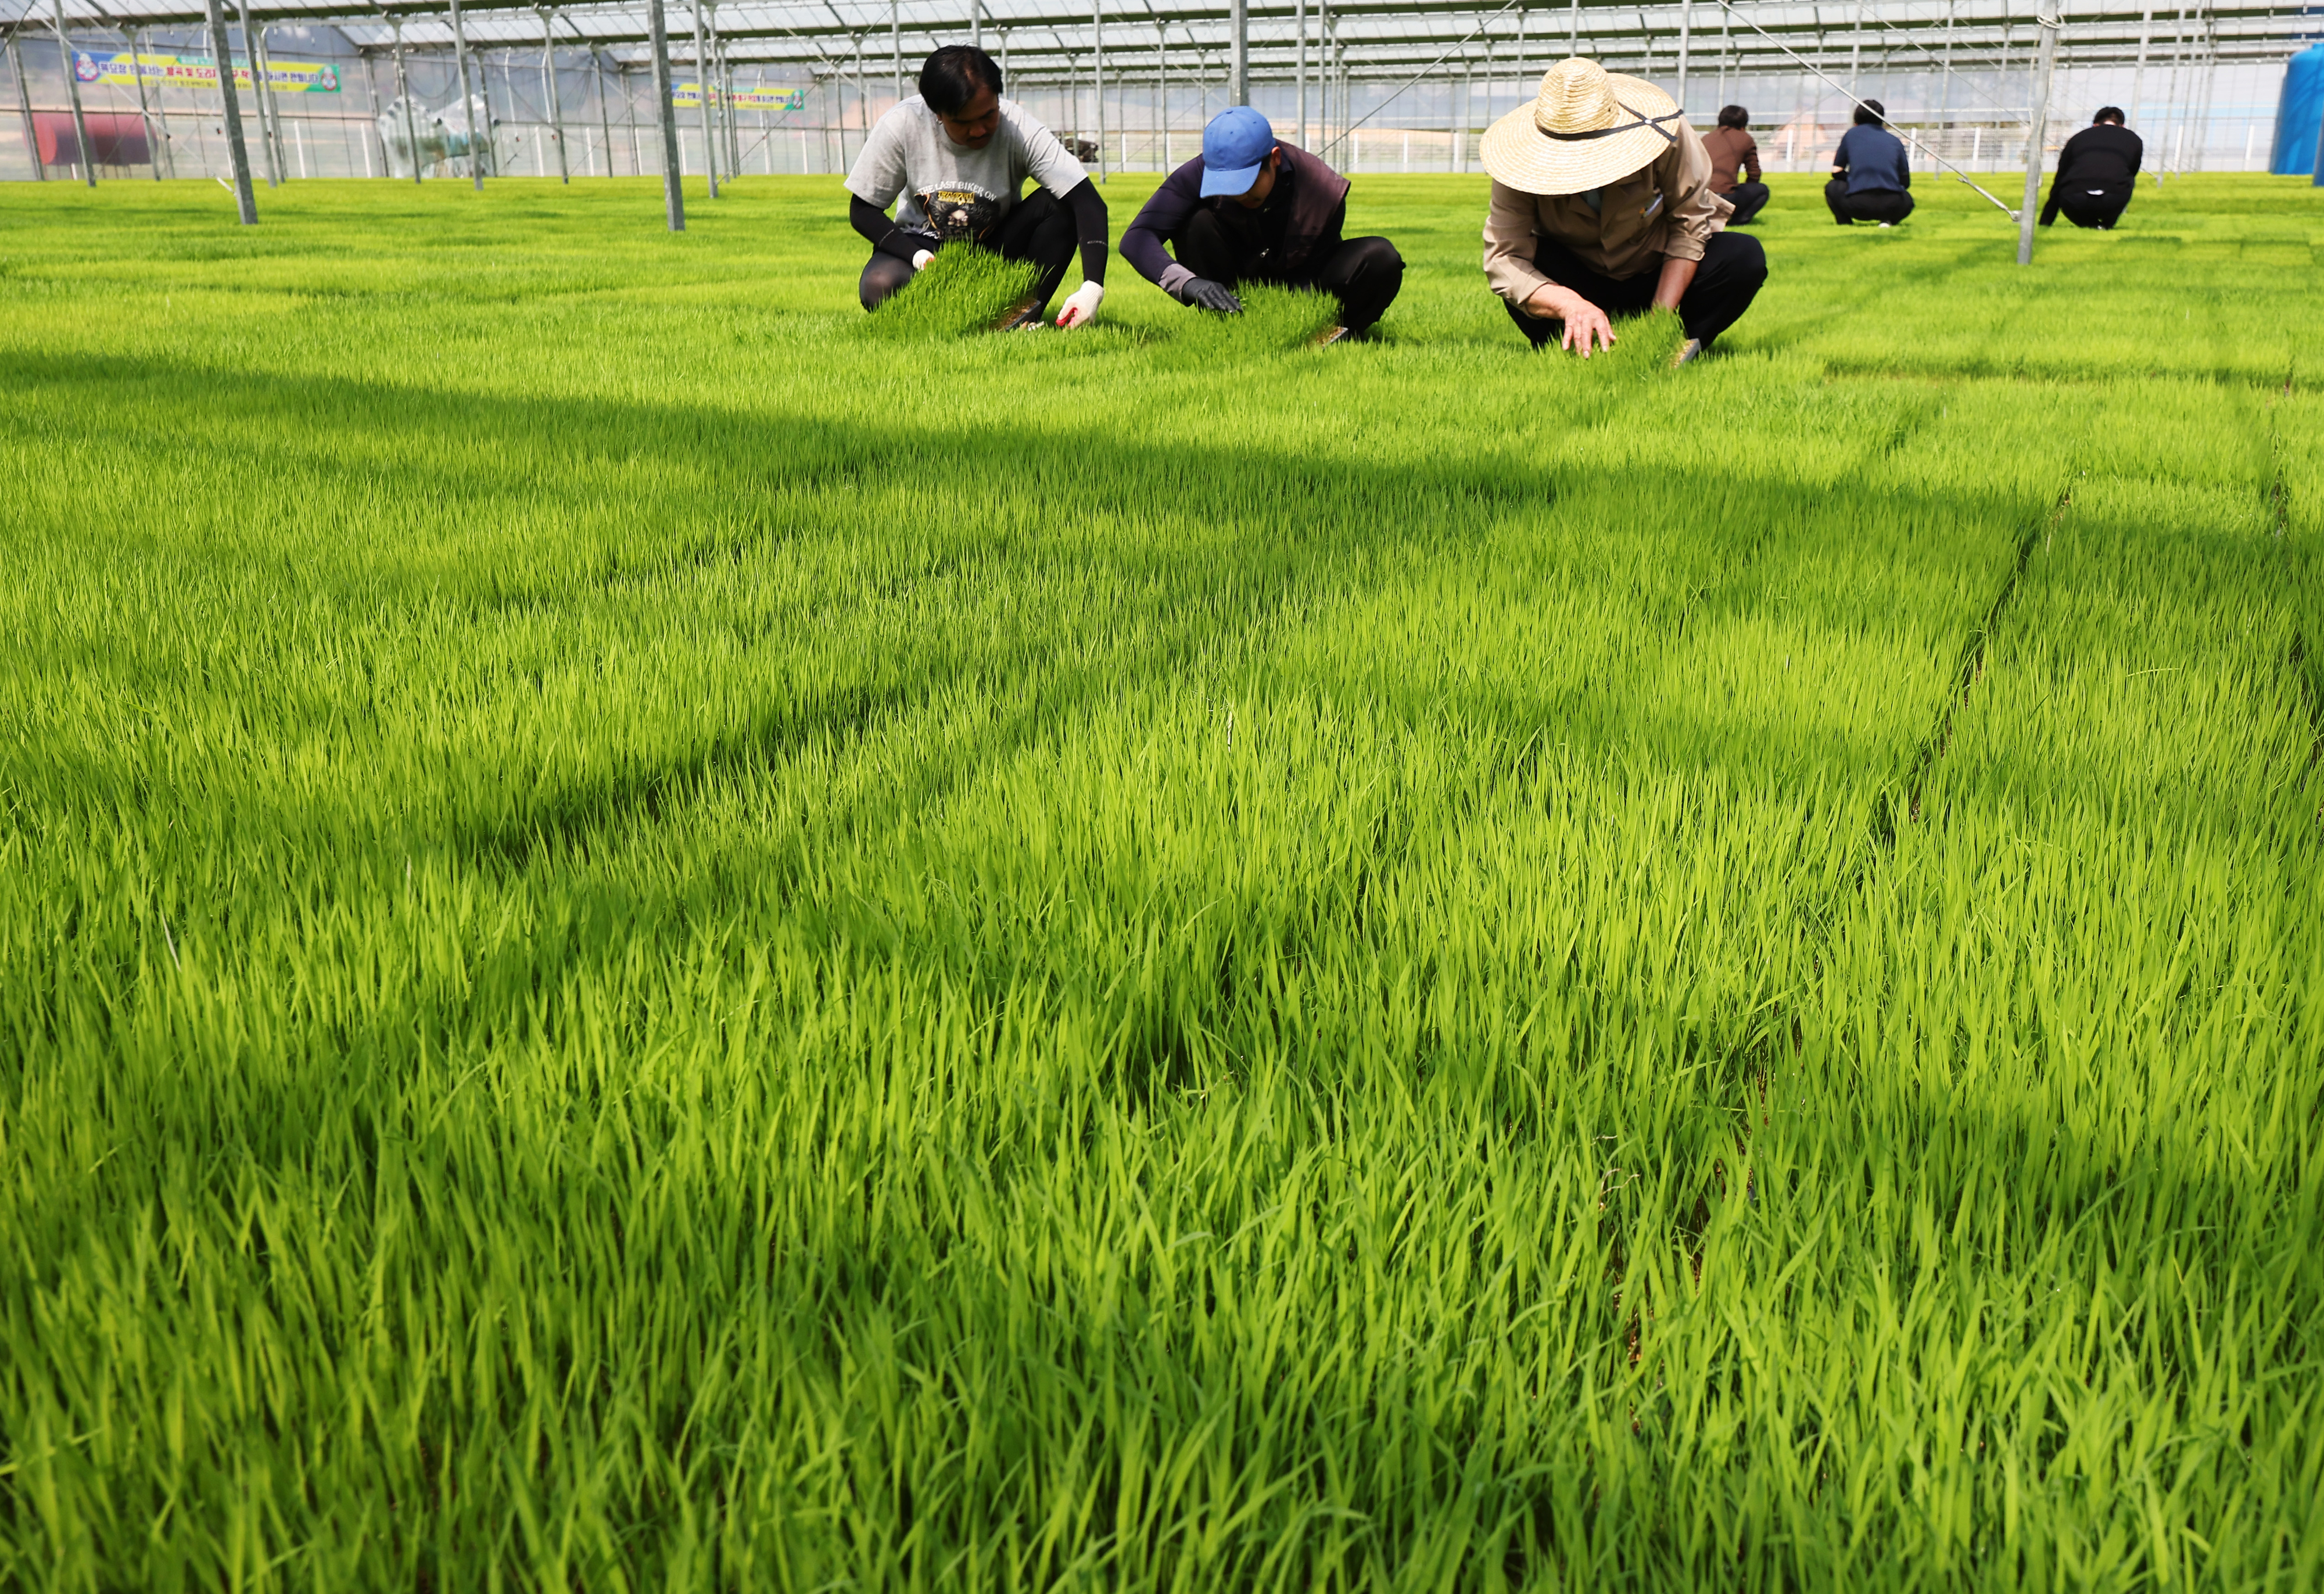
(650, 940)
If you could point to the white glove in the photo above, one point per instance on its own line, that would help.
(1081, 305)
(920, 258)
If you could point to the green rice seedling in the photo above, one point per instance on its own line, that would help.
(965, 289)
(1643, 343)
(1135, 959)
(1281, 318)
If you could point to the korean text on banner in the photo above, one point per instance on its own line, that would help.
(200, 71)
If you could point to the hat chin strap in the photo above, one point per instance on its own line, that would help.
(1653, 122)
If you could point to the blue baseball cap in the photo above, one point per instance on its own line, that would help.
(1234, 147)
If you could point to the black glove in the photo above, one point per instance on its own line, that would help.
(1203, 294)
(904, 242)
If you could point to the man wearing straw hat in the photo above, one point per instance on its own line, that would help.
(1602, 207)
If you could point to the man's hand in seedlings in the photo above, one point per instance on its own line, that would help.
(1586, 325)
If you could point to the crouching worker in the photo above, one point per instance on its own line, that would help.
(1602, 207)
(1252, 210)
(951, 159)
(1871, 179)
(2097, 171)
(1735, 165)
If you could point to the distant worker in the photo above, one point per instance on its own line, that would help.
(951, 159)
(1251, 209)
(1735, 165)
(1871, 181)
(1601, 206)
(2097, 171)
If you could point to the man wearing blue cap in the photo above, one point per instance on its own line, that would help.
(1251, 209)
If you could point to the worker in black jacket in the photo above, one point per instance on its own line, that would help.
(2097, 172)
(1251, 209)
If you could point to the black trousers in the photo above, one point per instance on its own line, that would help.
(1726, 282)
(1038, 227)
(2087, 209)
(1749, 199)
(1871, 205)
(1362, 273)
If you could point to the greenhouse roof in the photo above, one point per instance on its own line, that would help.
(1371, 38)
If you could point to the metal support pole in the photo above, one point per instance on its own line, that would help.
(605, 119)
(403, 94)
(1856, 52)
(237, 157)
(24, 107)
(2044, 62)
(673, 194)
(468, 100)
(1322, 74)
(1485, 118)
(734, 145)
(1945, 96)
(2178, 112)
(2209, 44)
(1468, 105)
(976, 23)
(1300, 11)
(72, 92)
(262, 90)
(257, 105)
(1685, 43)
(556, 95)
(1161, 100)
(2138, 74)
(896, 41)
(145, 114)
(702, 98)
(1238, 90)
(1097, 77)
(1727, 54)
(714, 93)
(1574, 31)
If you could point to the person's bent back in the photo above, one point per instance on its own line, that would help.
(952, 159)
(2097, 172)
(1735, 165)
(1871, 181)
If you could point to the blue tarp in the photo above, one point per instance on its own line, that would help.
(2298, 113)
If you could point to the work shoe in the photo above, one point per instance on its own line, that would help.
(1692, 350)
(1332, 335)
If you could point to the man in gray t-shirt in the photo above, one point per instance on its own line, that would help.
(951, 160)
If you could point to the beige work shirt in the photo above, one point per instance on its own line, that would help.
(1666, 208)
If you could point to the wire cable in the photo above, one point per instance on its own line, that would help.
(1349, 131)
(1927, 154)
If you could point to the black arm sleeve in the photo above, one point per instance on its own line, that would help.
(884, 236)
(1089, 228)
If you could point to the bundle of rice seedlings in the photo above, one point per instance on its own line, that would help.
(1271, 318)
(1284, 318)
(964, 290)
(1641, 344)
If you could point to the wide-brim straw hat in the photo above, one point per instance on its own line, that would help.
(1588, 127)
